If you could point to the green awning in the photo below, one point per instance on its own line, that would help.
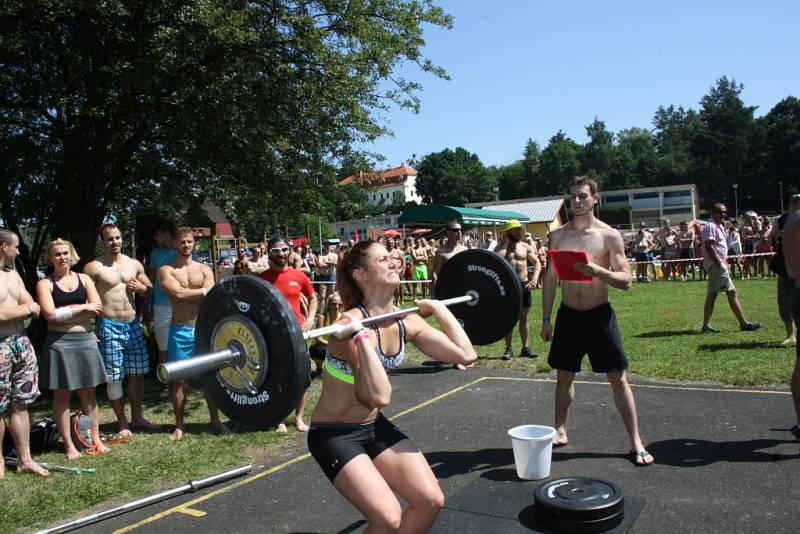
(439, 214)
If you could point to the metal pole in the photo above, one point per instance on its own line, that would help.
(470, 298)
(189, 487)
(736, 199)
(780, 185)
(179, 370)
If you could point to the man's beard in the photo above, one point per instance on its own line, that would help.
(513, 238)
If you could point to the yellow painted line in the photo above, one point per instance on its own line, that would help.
(645, 386)
(192, 512)
(438, 398)
(185, 507)
(179, 508)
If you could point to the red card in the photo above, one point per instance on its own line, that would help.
(563, 261)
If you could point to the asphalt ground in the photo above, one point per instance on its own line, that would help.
(725, 460)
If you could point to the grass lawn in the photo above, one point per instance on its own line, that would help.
(660, 324)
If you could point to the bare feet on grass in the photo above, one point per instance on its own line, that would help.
(176, 434)
(301, 425)
(29, 467)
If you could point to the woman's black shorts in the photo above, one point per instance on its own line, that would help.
(593, 332)
(334, 444)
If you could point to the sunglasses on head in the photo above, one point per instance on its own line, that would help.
(278, 250)
(454, 229)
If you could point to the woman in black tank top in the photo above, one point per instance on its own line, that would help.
(70, 358)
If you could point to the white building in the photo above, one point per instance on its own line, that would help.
(382, 187)
(365, 226)
(647, 204)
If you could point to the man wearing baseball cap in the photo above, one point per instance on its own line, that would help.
(520, 254)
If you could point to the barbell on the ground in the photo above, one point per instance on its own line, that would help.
(252, 354)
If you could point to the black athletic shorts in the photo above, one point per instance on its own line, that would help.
(594, 332)
(334, 444)
(527, 299)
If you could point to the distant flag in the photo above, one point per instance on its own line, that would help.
(356, 237)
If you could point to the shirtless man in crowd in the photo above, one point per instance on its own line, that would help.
(586, 322)
(119, 278)
(326, 266)
(259, 263)
(450, 248)
(19, 373)
(397, 256)
(186, 282)
(519, 254)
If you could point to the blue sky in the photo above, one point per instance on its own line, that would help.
(527, 68)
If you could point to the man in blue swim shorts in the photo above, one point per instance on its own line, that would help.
(186, 282)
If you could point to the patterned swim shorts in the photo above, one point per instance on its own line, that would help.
(19, 373)
(123, 349)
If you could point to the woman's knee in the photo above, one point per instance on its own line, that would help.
(386, 519)
(431, 498)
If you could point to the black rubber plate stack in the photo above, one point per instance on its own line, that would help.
(578, 504)
(287, 368)
(498, 288)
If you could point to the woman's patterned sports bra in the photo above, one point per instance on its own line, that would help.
(341, 370)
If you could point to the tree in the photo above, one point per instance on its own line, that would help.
(723, 141)
(454, 177)
(596, 156)
(105, 107)
(780, 149)
(675, 130)
(531, 161)
(634, 160)
(559, 165)
(510, 180)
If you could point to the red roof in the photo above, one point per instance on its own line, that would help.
(376, 180)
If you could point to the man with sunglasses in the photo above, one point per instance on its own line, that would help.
(715, 262)
(292, 284)
(450, 248)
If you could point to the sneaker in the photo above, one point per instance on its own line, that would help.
(750, 327)
(507, 354)
(527, 353)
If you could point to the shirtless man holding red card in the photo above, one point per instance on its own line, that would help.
(586, 322)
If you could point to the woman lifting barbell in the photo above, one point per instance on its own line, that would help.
(365, 456)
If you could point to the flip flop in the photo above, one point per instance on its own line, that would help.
(635, 456)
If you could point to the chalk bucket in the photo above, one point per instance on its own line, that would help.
(533, 449)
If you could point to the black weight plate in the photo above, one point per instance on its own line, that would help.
(578, 498)
(287, 366)
(498, 288)
(559, 524)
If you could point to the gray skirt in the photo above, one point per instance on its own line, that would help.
(71, 360)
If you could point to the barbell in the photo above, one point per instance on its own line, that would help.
(252, 354)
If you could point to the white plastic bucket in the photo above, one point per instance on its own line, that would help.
(533, 449)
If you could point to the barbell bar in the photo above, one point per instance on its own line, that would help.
(252, 355)
(232, 355)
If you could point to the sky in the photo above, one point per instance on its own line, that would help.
(527, 68)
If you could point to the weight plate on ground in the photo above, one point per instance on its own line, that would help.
(240, 333)
(498, 288)
(578, 499)
(559, 524)
(287, 370)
